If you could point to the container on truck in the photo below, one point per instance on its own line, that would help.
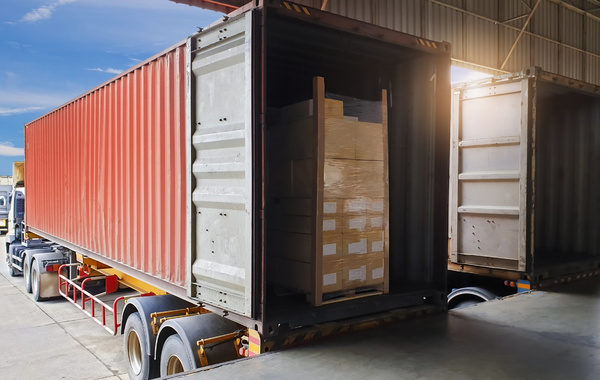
(524, 207)
(249, 178)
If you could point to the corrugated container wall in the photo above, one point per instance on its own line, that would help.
(560, 38)
(109, 169)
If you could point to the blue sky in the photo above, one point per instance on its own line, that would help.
(52, 51)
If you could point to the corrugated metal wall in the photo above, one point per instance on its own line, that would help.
(559, 38)
(567, 206)
(106, 171)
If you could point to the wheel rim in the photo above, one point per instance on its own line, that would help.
(134, 352)
(34, 282)
(174, 365)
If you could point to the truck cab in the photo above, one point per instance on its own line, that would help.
(5, 191)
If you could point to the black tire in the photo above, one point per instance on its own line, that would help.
(35, 283)
(27, 275)
(11, 270)
(174, 357)
(135, 345)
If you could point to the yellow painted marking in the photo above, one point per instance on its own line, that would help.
(309, 336)
(287, 6)
(434, 45)
(290, 340)
(296, 8)
(255, 348)
(306, 11)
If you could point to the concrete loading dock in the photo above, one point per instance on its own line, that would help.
(551, 334)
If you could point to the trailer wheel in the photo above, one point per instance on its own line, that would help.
(35, 283)
(11, 270)
(27, 275)
(135, 347)
(174, 357)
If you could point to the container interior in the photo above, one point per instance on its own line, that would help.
(566, 178)
(361, 67)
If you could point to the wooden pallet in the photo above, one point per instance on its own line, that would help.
(348, 294)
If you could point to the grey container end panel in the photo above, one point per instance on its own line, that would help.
(523, 179)
(222, 167)
(489, 176)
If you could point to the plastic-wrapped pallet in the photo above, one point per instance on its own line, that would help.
(329, 199)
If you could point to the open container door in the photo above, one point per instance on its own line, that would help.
(221, 166)
(489, 158)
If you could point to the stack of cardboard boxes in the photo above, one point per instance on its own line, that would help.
(329, 199)
(354, 204)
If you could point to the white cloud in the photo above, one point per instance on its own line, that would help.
(45, 11)
(15, 102)
(17, 111)
(109, 70)
(7, 149)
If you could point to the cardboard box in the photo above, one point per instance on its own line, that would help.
(353, 140)
(353, 179)
(340, 139)
(369, 142)
(333, 246)
(354, 273)
(363, 243)
(375, 269)
(334, 108)
(364, 271)
(331, 229)
(361, 206)
(362, 223)
(332, 276)
(333, 224)
(333, 207)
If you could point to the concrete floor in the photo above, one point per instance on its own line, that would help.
(51, 339)
(553, 334)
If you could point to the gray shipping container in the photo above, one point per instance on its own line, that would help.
(524, 183)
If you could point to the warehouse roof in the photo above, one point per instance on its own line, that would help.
(224, 6)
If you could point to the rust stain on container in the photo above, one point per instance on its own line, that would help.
(109, 169)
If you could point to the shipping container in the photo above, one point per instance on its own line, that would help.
(168, 172)
(524, 188)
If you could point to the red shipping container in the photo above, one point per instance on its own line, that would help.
(110, 171)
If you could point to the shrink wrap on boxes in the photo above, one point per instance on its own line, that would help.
(328, 207)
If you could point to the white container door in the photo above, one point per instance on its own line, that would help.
(221, 186)
(488, 176)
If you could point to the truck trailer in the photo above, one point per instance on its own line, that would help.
(279, 176)
(524, 207)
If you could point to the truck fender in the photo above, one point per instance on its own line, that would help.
(145, 306)
(200, 326)
(29, 253)
(48, 280)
